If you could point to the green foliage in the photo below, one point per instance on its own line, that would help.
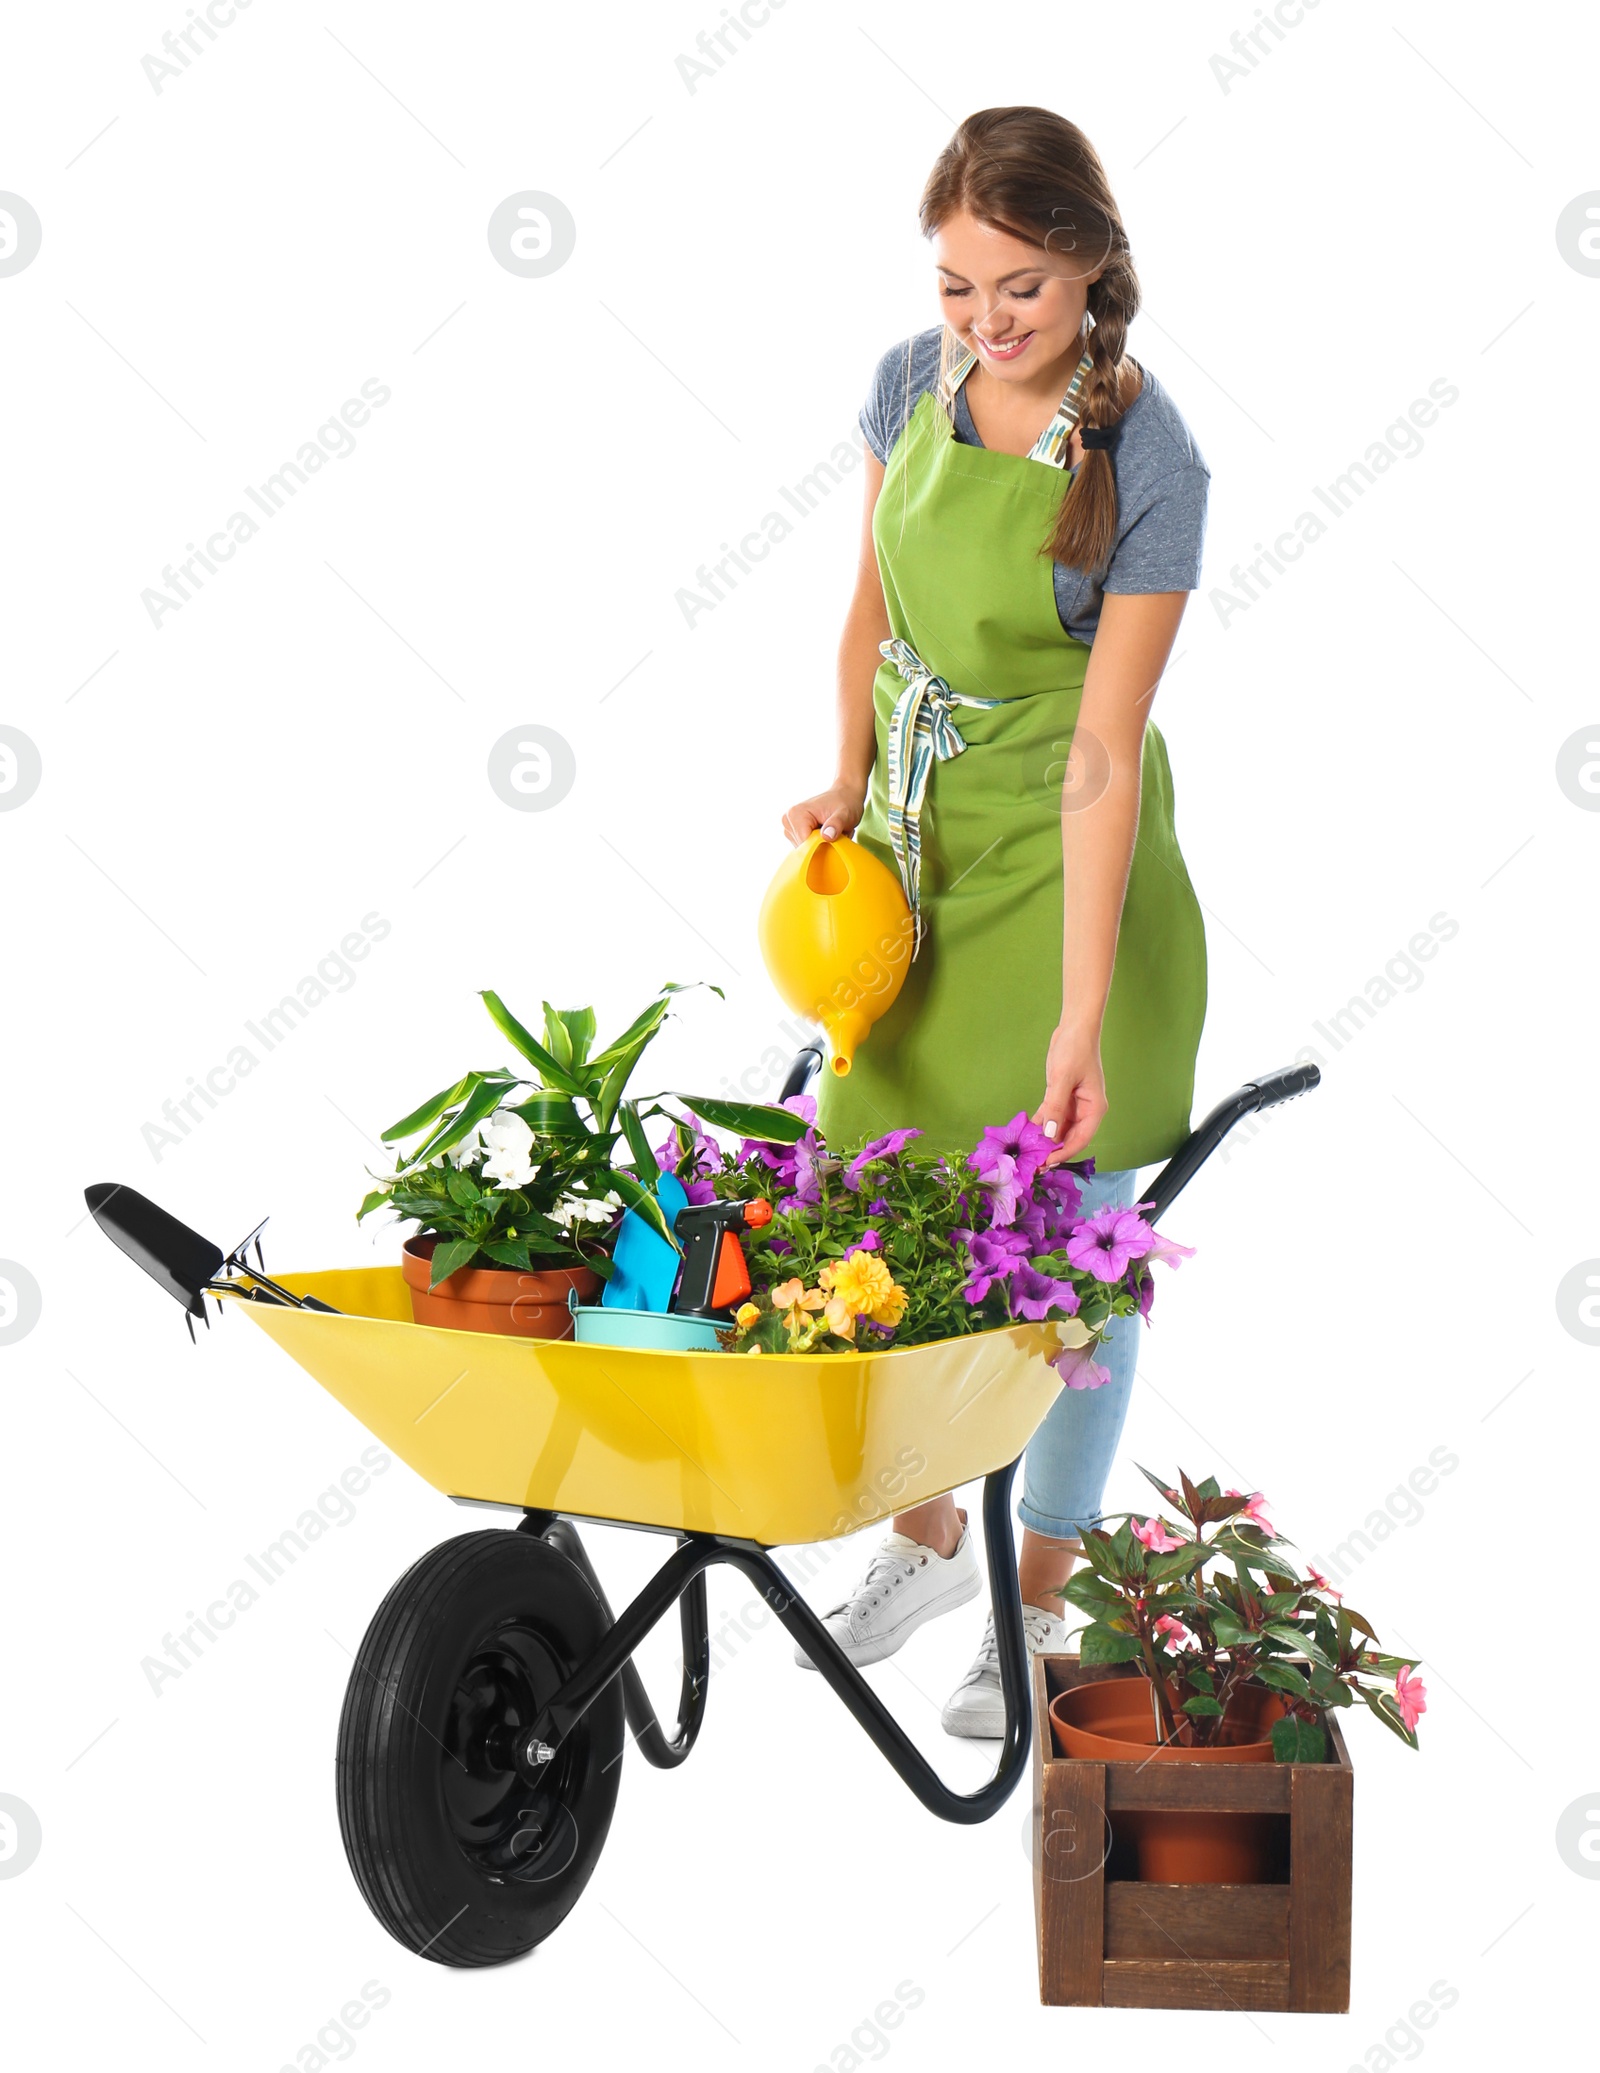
(1162, 1569)
(749, 1118)
(1298, 1741)
(1106, 1645)
(498, 1227)
(550, 1191)
(1280, 1677)
(1090, 1593)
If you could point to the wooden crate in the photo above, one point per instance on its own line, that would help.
(1108, 1940)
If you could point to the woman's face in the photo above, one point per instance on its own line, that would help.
(1018, 307)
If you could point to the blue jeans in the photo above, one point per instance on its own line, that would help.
(1069, 1458)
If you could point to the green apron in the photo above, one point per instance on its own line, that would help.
(958, 531)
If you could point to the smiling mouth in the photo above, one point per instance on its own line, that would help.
(1002, 349)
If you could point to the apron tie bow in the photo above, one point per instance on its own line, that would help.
(921, 731)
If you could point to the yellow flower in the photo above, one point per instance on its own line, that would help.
(859, 1281)
(746, 1315)
(865, 1284)
(892, 1308)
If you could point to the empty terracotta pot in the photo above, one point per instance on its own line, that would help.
(495, 1299)
(1113, 1721)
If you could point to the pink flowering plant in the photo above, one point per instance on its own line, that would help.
(1253, 1621)
(974, 1242)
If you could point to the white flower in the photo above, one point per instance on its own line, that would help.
(464, 1153)
(585, 1209)
(508, 1141)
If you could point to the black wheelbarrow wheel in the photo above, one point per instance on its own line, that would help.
(460, 1857)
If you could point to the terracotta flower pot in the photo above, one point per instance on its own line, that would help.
(1113, 1721)
(495, 1299)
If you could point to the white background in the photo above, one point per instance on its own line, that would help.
(1372, 743)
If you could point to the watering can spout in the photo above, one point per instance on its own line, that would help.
(845, 1031)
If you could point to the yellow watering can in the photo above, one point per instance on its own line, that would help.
(836, 934)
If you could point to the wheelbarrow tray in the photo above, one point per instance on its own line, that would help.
(778, 1449)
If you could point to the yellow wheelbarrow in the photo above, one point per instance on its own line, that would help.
(483, 1725)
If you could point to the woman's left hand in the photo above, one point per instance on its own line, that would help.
(1075, 1092)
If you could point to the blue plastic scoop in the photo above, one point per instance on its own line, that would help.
(644, 1268)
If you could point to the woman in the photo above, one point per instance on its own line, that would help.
(1035, 507)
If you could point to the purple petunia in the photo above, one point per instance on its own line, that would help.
(1104, 1244)
(1063, 1194)
(1033, 1222)
(780, 1159)
(869, 1241)
(1034, 1295)
(707, 1160)
(1011, 1151)
(1078, 1368)
(884, 1147)
(807, 1179)
(994, 1256)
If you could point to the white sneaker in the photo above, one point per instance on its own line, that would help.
(905, 1585)
(977, 1706)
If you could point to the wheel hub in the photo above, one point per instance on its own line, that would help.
(508, 1817)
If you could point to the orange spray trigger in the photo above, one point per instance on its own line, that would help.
(732, 1284)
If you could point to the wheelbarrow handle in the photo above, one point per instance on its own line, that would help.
(803, 1069)
(1255, 1095)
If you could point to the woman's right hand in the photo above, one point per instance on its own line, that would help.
(835, 811)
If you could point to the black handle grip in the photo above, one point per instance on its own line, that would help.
(1284, 1084)
(1263, 1093)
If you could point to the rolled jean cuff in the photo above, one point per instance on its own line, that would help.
(1051, 1529)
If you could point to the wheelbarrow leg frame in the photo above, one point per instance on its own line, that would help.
(665, 1752)
(681, 1581)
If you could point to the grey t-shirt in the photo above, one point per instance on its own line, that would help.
(1162, 481)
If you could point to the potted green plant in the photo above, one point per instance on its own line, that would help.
(1237, 1658)
(516, 1183)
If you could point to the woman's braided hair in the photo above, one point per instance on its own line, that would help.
(1035, 175)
